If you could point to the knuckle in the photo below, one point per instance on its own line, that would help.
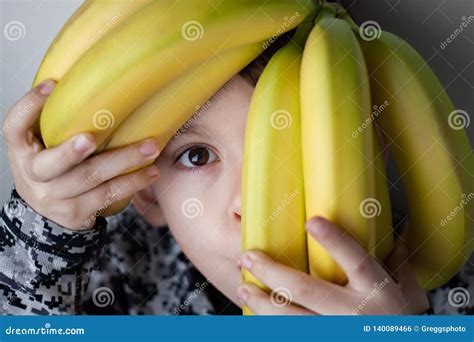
(92, 175)
(65, 211)
(303, 289)
(31, 171)
(255, 300)
(138, 179)
(70, 210)
(133, 156)
(109, 193)
(363, 268)
(261, 269)
(35, 171)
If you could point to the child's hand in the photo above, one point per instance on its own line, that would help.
(369, 291)
(59, 183)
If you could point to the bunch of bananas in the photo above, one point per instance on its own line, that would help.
(313, 147)
(132, 69)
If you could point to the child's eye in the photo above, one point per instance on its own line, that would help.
(197, 156)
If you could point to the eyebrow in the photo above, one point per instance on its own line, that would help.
(195, 129)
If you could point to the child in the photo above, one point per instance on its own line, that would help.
(176, 249)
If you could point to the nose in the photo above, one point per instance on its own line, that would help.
(235, 202)
(237, 212)
(235, 208)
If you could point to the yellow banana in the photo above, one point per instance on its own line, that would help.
(87, 25)
(167, 110)
(340, 181)
(152, 47)
(382, 206)
(272, 180)
(432, 153)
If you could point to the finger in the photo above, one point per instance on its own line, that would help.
(402, 270)
(21, 117)
(313, 293)
(398, 263)
(261, 303)
(50, 163)
(362, 270)
(106, 166)
(117, 189)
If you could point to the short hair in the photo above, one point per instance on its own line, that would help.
(254, 69)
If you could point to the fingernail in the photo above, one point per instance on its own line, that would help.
(148, 148)
(82, 144)
(153, 171)
(316, 226)
(242, 294)
(46, 87)
(246, 261)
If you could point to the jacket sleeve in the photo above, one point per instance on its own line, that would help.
(44, 267)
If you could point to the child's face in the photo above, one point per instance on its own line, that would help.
(199, 187)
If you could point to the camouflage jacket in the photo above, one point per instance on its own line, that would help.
(124, 266)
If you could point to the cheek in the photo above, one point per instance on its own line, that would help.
(196, 212)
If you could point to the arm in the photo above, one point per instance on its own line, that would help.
(44, 268)
(48, 242)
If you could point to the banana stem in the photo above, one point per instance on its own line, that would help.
(340, 10)
(319, 5)
(347, 18)
(302, 33)
(327, 11)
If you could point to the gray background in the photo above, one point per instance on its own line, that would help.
(424, 23)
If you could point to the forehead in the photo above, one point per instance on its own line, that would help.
(224, 112)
